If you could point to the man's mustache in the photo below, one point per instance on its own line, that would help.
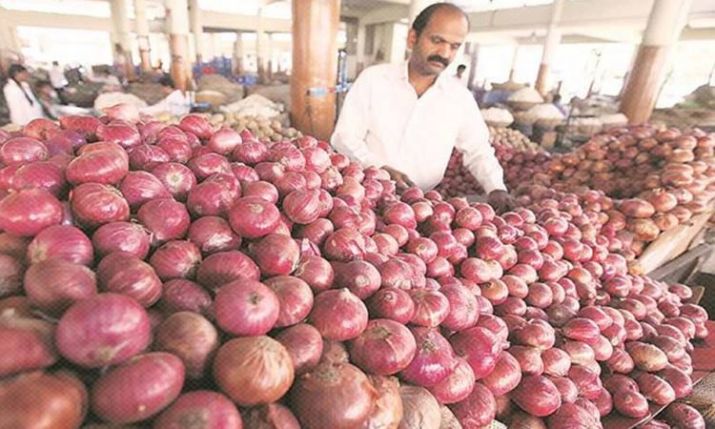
(438, 59)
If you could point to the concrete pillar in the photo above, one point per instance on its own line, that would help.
(315, 53)
(416, 7)
(261, 44)
(197, 30)
(238, 54)
(553, 38)
(269, 56)
(665, 23)
(177, 19)
(121, 29)
(141, 26)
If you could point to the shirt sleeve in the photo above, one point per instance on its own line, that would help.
(351, 129)
(17, 104)
(478, 153)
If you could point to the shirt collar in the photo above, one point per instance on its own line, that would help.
(402, 74)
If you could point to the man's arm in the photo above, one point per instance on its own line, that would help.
(478, 153)
(479, 158)
(351, 129)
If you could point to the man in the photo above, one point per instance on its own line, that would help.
(57, 76)
(174, 102)
(460, 71)
(21, 101)
(407, 118)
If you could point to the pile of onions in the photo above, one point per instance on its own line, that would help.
(306, 291)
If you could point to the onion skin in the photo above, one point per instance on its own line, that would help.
(253, 370)
(434, 359)
(420, 409)
(351, 397)
(42, 400)
(121, 237)
(478, 410)
(246, 307)
(103, 330)
(682, 416)
(190, 337)
(631, 404)
(212, 409)
(27, 212)
(537, 395)
(221, 268)
(505, 377)
(388, 409)
(26, 344)
(53, 285)
(139, 388)
(339, 315)
(304, 344)
(384, 348)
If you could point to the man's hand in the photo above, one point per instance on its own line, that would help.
(500, 200)
(401, 179)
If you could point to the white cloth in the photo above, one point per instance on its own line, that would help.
(383, 122)
(21, 110)
(176, 104)
(57, 77)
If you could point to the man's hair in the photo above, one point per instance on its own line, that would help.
(421, 21)
(55, 63)
(42, 84)
(461, 67)
(15, 69)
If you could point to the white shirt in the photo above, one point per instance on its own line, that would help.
(57, 77)
(383, 122)
(21, 110)
(176, 104)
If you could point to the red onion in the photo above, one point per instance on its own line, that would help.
(431, 307)
(63, 242)
(211, 408)
(360, 277)
(655, 389)
(121, 237)
(681, 415)
(223, 267)
(315, 271)
(54, 284)
(103, 330)
(128, 275)
(304, 345)
(246, 307)
(537, 395)
(295, 299)
(392, 304)
(333, 396)
(477, 410)
(339, 315)
(433, 361)
(253, 218)
(385, 347)
(631, 404)
(177, 178)
(276, 254)
(28, 211)
(505, 377)
(480, 347)
(529, 359)
(185, 295)
(176, 259)
(190, 337)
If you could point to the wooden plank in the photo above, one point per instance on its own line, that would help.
(671, 244)
(691, 259)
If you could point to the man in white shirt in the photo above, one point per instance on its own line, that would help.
(407, 118)
(21, 101)
(57, 76)
(175, 102)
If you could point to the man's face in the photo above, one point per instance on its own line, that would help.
(23, 76)
(437, 45)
